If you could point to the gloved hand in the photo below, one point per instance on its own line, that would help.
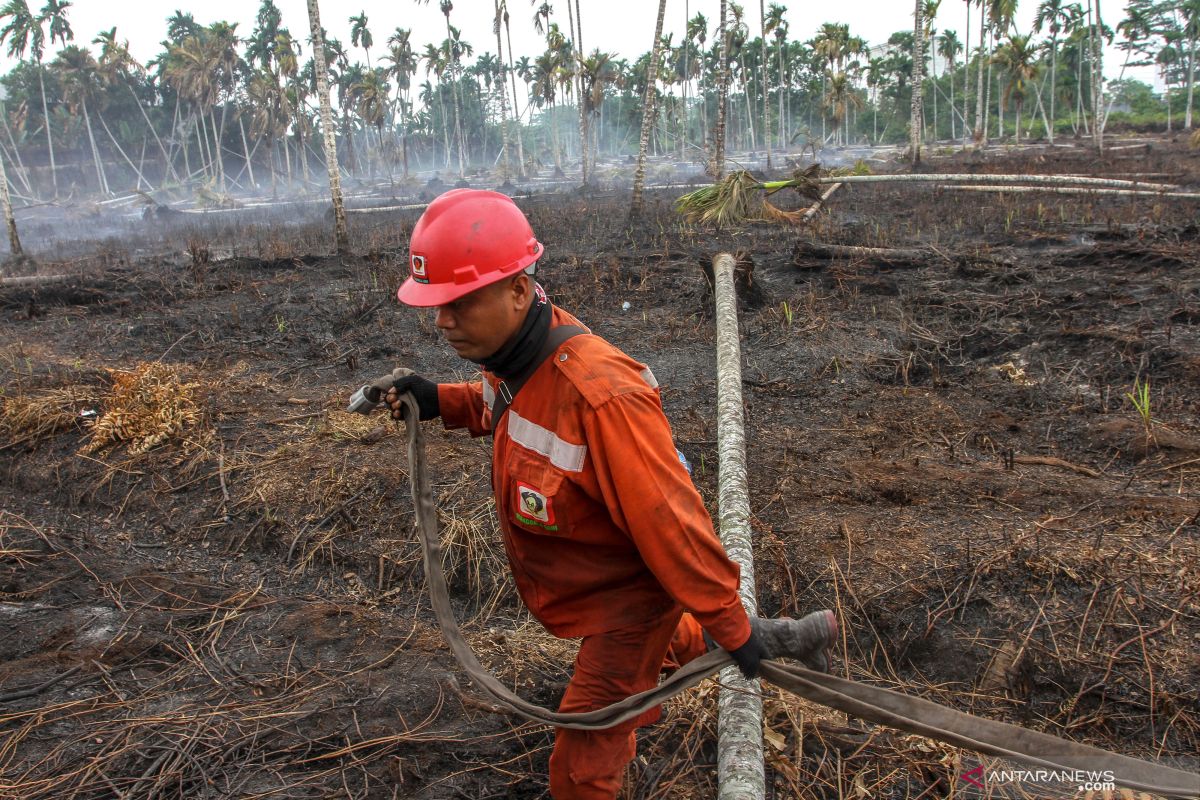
(809, 639)
(423, 390)
(749, 655)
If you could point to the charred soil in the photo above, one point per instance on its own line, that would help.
(209, 583)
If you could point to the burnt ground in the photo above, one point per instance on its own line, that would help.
(942, 448)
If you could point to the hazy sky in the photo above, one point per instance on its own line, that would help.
(623, 26)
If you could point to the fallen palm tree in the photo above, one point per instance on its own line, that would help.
(1077, 190)
(740, 197)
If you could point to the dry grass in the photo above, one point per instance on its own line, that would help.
(27, 416)
(147, 406)
(185, 690)
(473, 556)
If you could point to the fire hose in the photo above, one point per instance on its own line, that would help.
(871, 703)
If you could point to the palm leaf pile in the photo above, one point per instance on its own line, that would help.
(147, 406)
(740, 197)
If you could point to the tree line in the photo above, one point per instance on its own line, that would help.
(223, 110)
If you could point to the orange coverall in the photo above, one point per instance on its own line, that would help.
(607, 538)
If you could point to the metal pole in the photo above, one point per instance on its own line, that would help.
(739, 725)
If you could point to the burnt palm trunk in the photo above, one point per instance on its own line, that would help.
(101, 178)
(341, 233)
(1097, 79)
(718, 159)
(1053, 84)
(980, 132)
(915, 123)
(246, 152)
(46, 117)
(766, 104)
(503, 93)
(639, 177)
(14, 241)
(512, 74)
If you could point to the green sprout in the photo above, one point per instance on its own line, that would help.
(280, 324)
(1140, 398)
(787, 313)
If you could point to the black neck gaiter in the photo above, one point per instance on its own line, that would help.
(518, 353)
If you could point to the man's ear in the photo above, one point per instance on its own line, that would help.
(522, 291)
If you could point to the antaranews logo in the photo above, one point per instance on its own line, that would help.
(1068, 781)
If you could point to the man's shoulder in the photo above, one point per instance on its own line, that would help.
(600, 371)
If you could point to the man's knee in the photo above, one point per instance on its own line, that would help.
(589, 765)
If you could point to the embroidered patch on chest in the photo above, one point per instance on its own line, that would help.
(533, 507)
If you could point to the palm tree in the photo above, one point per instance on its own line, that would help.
(117, 66)
(980, 134)
(497, 21)
(297, 88)
(347, 82)
(436, 64)
(639, 176)
(544, 85)
(371, 101)
(596, 73)
(766, 112)
(269, 116)
(575, 23)
(1054, 15)
(1018, 60)
(1096, 35)
(503, 10)
(840, 98)
(341, 233)
(14, 241)
(1191, 29)
(1000, 15)
(78, 72)
(696, 37)
(404, 66)
(260, 45)
(876, 78)
(180, 26)
(918, 64)
(949, 48)
(23, 31)
(779, 27)
(541, 17)
(452, 52)
(360, 35)
(927, 48)
(224, 41)
(191, 68)
(1166, 61)
(718, 157)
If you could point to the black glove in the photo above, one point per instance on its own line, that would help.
(423, 390)
(748, 655)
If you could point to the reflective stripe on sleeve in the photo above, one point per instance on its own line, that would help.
(489, 394)
(649, 378)
(530, 435)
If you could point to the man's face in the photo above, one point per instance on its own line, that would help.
(478, 324)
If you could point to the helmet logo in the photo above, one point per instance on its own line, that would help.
(417, 266)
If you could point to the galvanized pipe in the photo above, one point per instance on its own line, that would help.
(740, 771)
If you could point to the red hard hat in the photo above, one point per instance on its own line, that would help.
(465, 240)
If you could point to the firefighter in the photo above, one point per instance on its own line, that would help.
(607, 538)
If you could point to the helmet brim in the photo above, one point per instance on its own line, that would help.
(428, 295)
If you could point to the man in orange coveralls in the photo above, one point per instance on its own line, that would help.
(607, 537)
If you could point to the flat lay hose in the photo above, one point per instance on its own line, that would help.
(882, 706)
